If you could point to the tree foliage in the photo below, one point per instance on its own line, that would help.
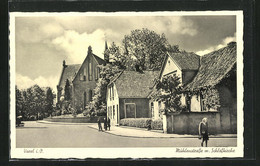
(143, 48)
(169, 91)
(34, 102)
(107, 73)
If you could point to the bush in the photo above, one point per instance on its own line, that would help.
(136, 122)
(157, 124)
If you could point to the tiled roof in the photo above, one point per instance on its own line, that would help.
(69, 72)
(186, 60)
(132, 84)
(214, 67)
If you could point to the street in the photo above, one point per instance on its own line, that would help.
(41, 135)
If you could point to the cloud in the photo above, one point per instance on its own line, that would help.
(223, 44)
(24, 82)
(76, 45)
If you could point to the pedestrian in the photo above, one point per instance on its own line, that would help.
(203, 131)
(99, 125)
(108, 123)
(105, 123)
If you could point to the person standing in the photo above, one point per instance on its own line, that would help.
(203, 131)
(108, 123)
(99, 125)
(105, 123)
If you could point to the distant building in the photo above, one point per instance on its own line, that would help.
(82, 79)
(127, 95)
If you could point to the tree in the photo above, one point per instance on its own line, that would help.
(107, 73)
(169, 91)
(146, 49)
(49, 101)
(19, 103)
(35, 102)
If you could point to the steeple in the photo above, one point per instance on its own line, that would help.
(106, 54)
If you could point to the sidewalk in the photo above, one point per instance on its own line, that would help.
(126, 131)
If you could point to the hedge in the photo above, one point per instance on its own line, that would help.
(136, 122)
(157, 125)
(142, 123)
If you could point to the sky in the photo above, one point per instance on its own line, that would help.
(42, 43)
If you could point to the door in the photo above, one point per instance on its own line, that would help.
(130, 110)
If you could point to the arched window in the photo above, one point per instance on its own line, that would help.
(85, 99)
(90, 95)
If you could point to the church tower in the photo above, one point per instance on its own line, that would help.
(106, 54)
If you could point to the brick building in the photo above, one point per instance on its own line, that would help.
(82, 79)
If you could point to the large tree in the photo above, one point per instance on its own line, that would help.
(143, 48)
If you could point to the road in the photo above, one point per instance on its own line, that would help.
(40, 135)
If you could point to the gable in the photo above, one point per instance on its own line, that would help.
(169, 67)
(90, 63)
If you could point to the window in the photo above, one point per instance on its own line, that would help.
(112, 92)
(85, 74)
(90, 71)
(97, 73)
(113, 111)
(90, 95)
(110, 95)
(85, 99)
(152, 109)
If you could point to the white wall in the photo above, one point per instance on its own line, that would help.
(170, 66)
(114, 102)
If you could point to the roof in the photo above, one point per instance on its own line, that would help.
(99, 60)
(132, 84)
(69, 72)
(214, 67)
(186, 60)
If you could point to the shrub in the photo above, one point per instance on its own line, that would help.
(136, 122)
(157, 124)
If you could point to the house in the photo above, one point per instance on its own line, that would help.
(82, 79)
(217, 71)
(185, 65)
(127, 95)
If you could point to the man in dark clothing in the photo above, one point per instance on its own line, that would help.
(105, 123)
(108, 123)
(99, 125)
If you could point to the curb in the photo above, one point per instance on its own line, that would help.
(158, 137)
(62, 123)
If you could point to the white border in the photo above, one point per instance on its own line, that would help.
(82, 153)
